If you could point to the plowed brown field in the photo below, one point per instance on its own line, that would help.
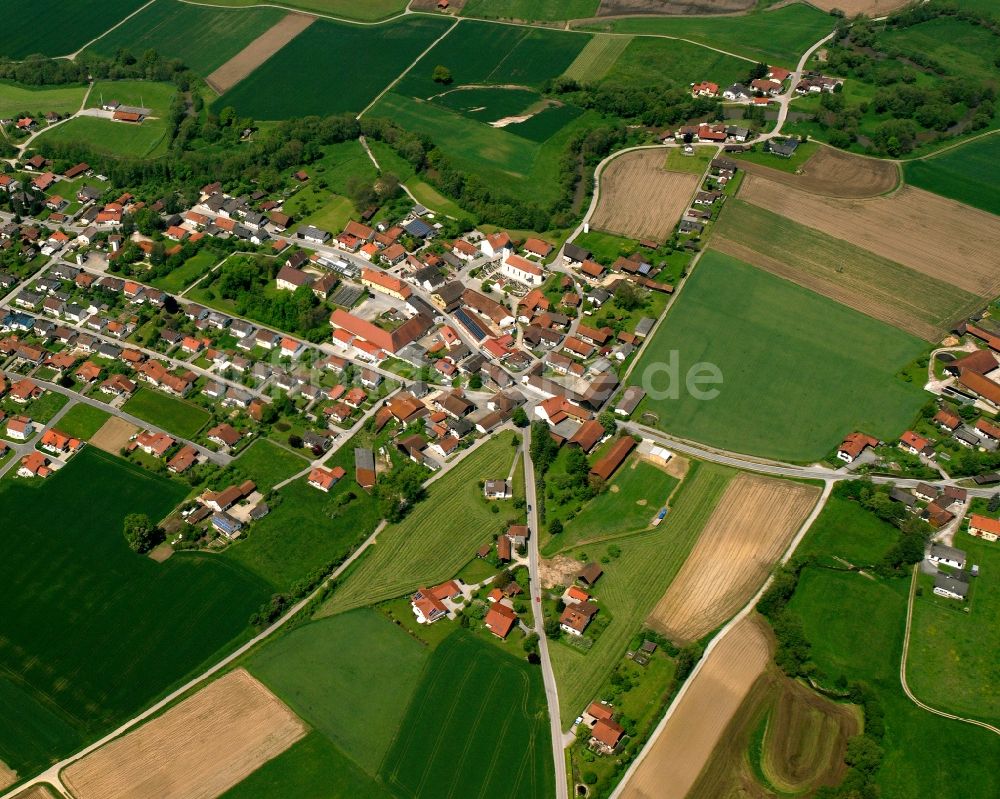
(748, 531)
(258, 51)
(683, 747)
(639, 198)
(198, 749)
(113, 435)
(834, 173)
(931, 234)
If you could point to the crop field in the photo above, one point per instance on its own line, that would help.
(476, 728)
(488, 104)
(920, 304)
(82, 421)
(267, 463)
(258, 51)
(770, 335)
(295, 81)
(114, 139)
(438, 537)
(953, 654)
(633, 583)
(202, 38)
(912, 227)
(112, 629)
(776, 37)
(639, 198)
(173, 414)
(748, 532)
(69, 24)
(969, 174)
(368, 11)
(317, 668)
(679, 7)
(196, 750)
(651, 60)
(830, 172)
(545, 124)
(37, 100)
(684, 746)
(531, 10)
(594, 61)
(846, 530)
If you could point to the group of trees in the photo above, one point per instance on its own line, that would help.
(140, 533)
(39, 70)
(401, 489)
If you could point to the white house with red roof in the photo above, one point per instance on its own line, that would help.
(430, 604)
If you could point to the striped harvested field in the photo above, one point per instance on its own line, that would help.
(258, 51)
(597, 58)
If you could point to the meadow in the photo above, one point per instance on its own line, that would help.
(173, 414)
(844, 529)
(426, 195)
(82, 421)
(267, 463)
(476, 727)
(69, 24)
(438, 537)
(968, 174)
(149, 94)
(37, 100)
(777, 37)
(633, 583)
(94, 632)
(202, 38)
(183, 276)
(332, 67)
(799, 371)
(651, 60)
(317, 668)
(368, 11)
(115, 139)
(531, 10)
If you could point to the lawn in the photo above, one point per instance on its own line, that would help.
(476, 728)
(969, 174)
(82, 421)
(633, 583)
(953, 655)
(803, 153)
(202, 38)
(317, 668)
(794, 366)
(116, 139)
(337, 67)
(678, 161)
(438, 537)
(193, 268)
(68, 24)
(45, 407)
(778, 37)
(844, 529)
(174, 415)
(531, 10)
(367, 11)
(267, 463)
(838, 610)
(92, 631)
(650, 60)
(37, 100)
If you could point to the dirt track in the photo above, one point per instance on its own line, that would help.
(113, 435)
(258, 51)
(685, 744)
(748, 531)
(640, 198)
(835, 173)
(931, 234)
(198, 749)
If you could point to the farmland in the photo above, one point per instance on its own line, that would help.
(871, 8)
(317, 668)
(377, 55)
(649, 59)
(594, 61)
(214, 738)
(749, 530)
(70, 24)
(174, 415)
(531, 10)
(267, 463)
(672, 764)
(438, 537)
(38, 100)
(771, 335)
(830, 172)
(463, 734)
(632, 186)
(882, 289)
(112, 630)
(202, 38)
(117, 139)
(968, 174)
(368, 11)
(912, 227)
(258, 51)
(633, 582)
(82, 421)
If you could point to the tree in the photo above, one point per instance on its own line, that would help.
(628, 296)
(608, 422)
(519, 417)
(552, 628)
(442, 74)
(140, 533)
(555, 527)
(295, 441)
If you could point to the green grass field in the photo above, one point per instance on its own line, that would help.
(846, 530)
(92, 631)
(952, 663)
(17, 99)
(531, 10)
(649, 60)
(594, 61)
(173, 414)
(368, 11)
(633, 583)
(965, 48)
(202, 38)
(427, 195)
(116, 139)
(488, 104)
(68, 24)
(146, 93)
(778, 37)
(367, 59)
(267, 463)
(175, 282)
(82, 421)
(317, 668)
(697, 164)
(799, 371)
(803, 153)
(969, 174)
(476, 728)
(438, 537)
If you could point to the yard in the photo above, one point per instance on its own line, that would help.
(267, 463)
(82, 421)
(111, 630)
(175, 415)
(799, 371)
